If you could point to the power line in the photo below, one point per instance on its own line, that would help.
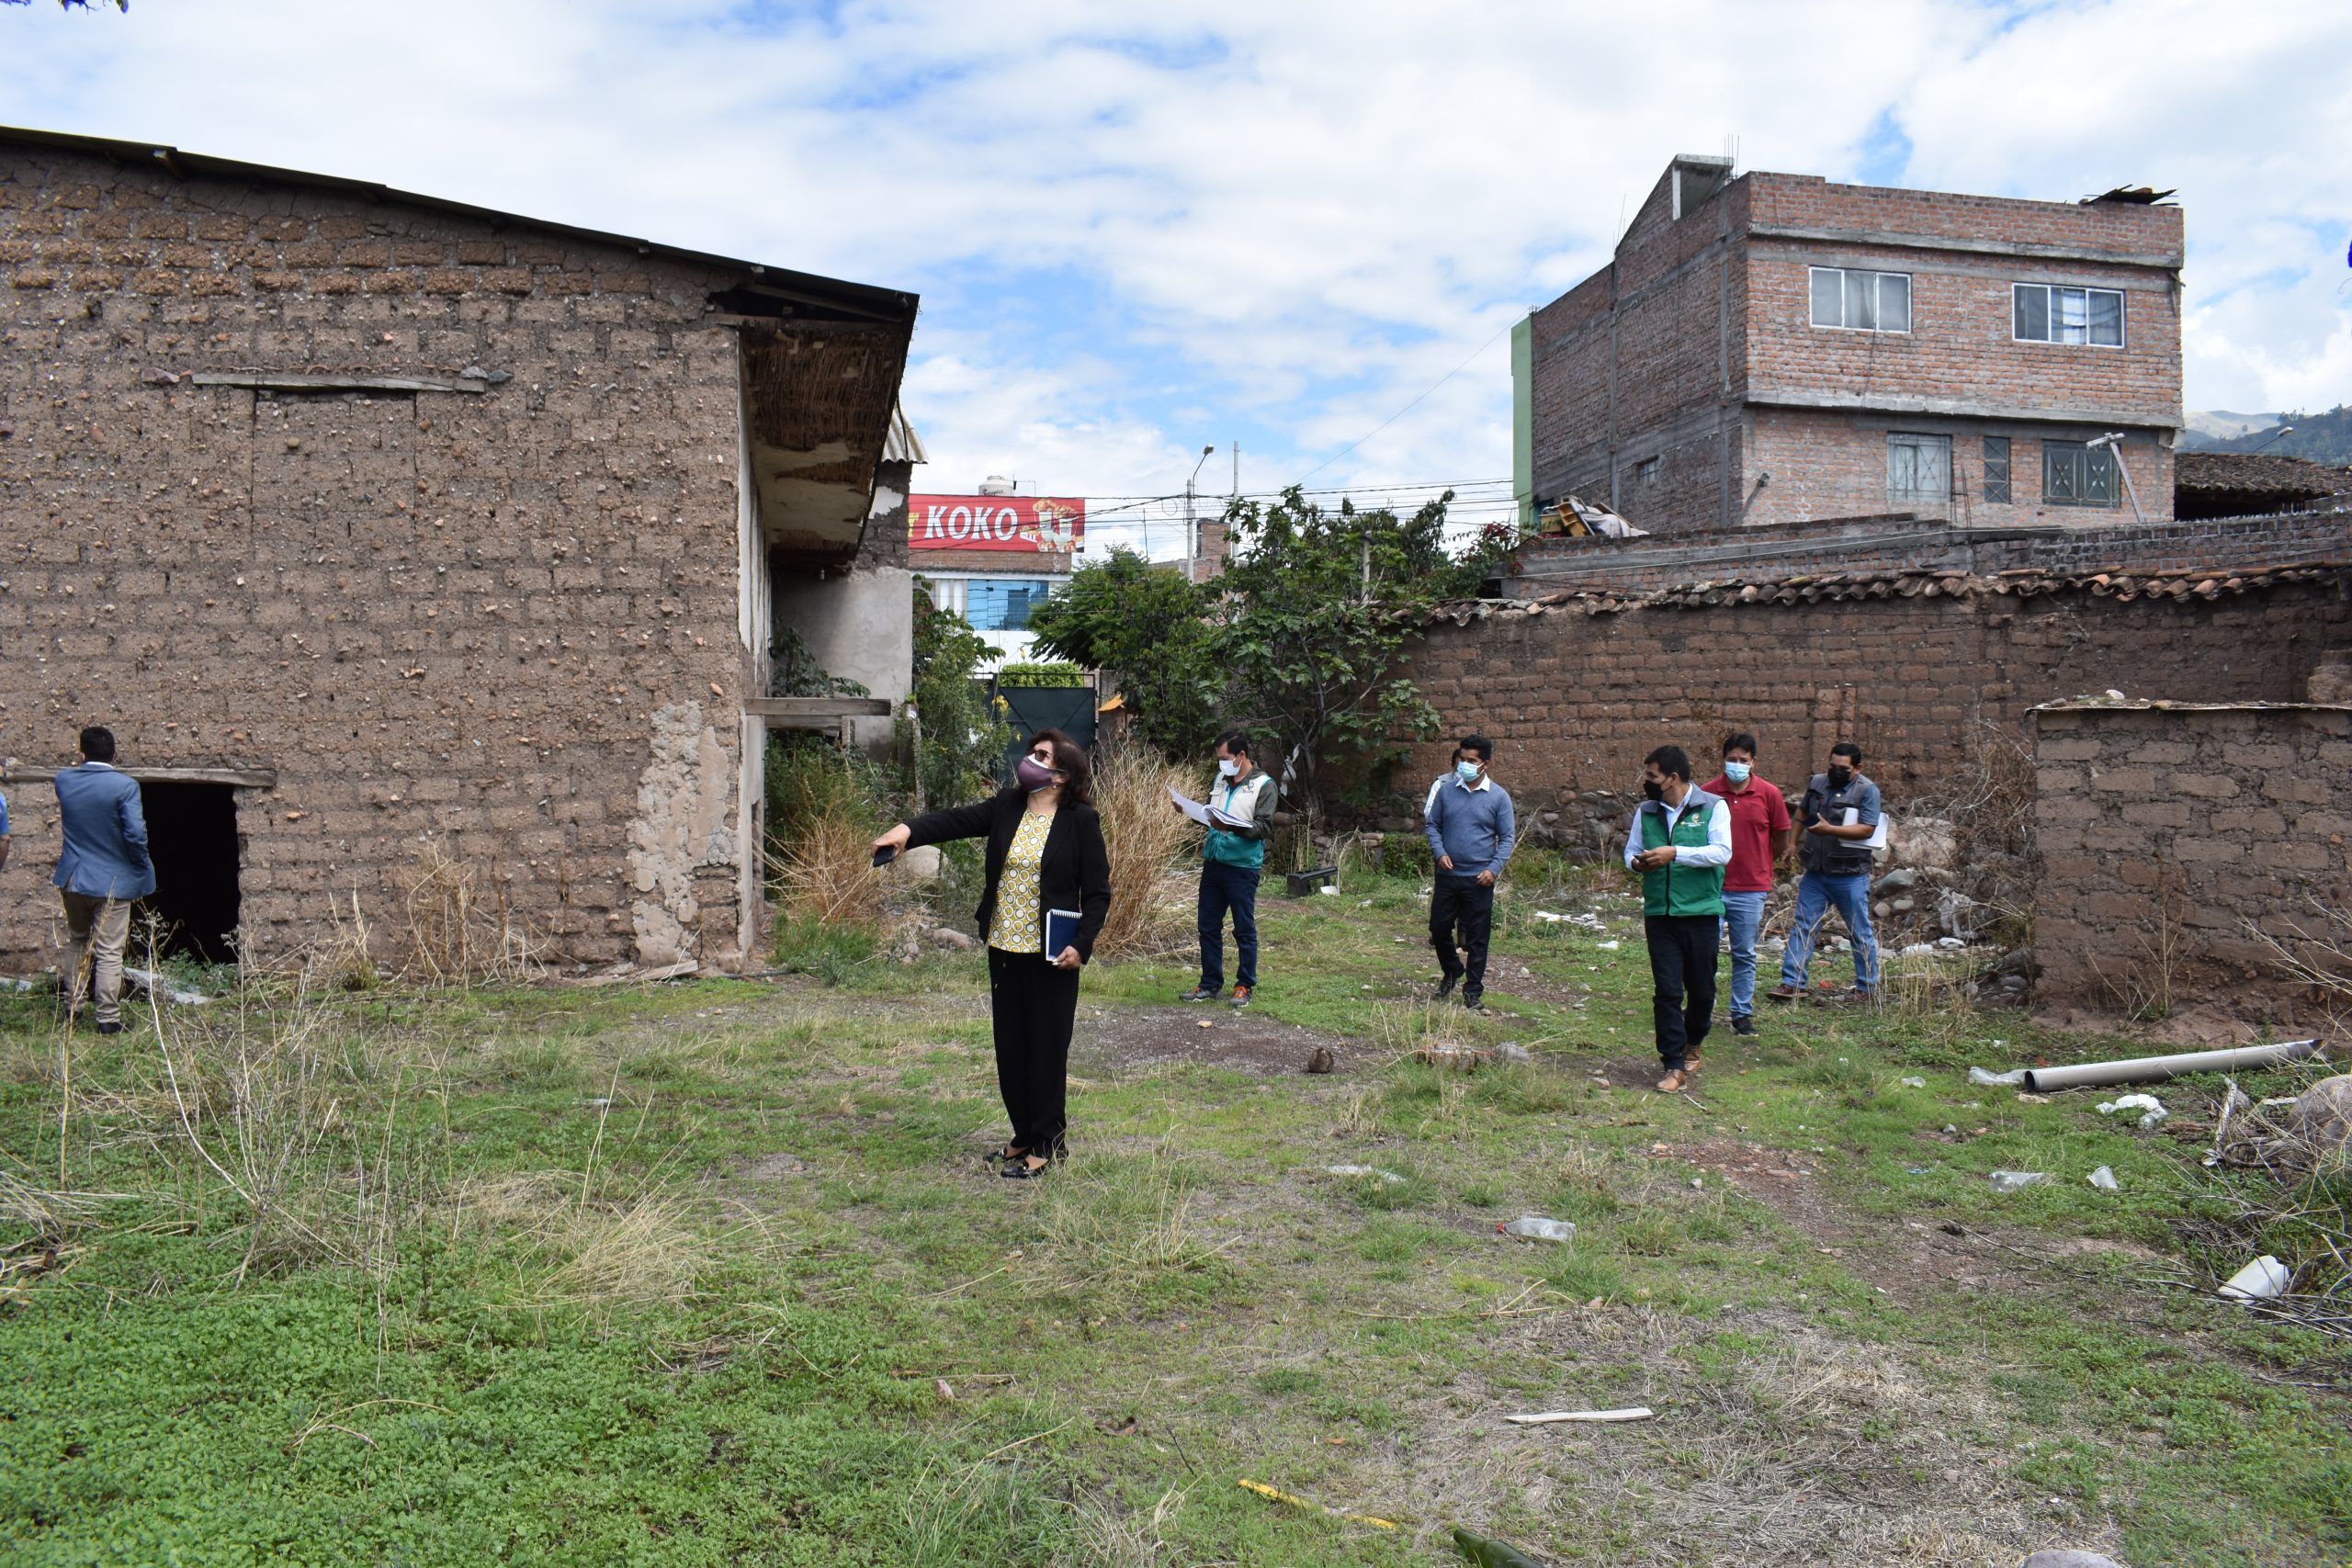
(1409, 407)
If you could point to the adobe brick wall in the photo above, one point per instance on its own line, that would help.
(507, 621)
(1574, 699)
(1900, 544)
(2164, 833)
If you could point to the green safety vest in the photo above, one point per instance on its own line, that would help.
(1680, 889)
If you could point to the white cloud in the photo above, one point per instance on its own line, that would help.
(1287, 221)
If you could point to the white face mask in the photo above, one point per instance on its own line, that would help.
(1467, 770)
(1226, 767)
(1736, 771)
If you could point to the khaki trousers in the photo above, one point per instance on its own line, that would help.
(100, 929)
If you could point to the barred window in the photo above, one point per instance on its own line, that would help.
(1996, 470)
(1918, 468)
(2075, 474)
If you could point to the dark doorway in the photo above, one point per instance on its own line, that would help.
(192, 838)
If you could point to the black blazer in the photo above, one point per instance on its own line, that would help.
(1074, 872)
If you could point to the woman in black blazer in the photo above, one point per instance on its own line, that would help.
(1045, 854)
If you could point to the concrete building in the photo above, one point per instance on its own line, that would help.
(382, 529)
(1772, 348)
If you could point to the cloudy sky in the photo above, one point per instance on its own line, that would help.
(1305, 228)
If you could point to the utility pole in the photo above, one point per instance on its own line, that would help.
(1192, 541)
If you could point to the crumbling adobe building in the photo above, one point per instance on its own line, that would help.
(379, 527)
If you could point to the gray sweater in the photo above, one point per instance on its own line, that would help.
(1473, 826)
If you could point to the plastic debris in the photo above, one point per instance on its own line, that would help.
(1535, 1228)
(1488, 1553)
(1996, 1081)
(1606, 946)
(2017, 1180)
(2103, 1179)
(2147, 1102)
(1389, 1176)
(148, 980)
(1913, 1083)
(1262, 1490)
(1551, 1418)
(2258, 1282)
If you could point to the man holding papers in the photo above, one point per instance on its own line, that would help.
(1239, 816)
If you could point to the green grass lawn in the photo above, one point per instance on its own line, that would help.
(714, 1273)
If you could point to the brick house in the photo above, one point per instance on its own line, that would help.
(1772, 348)
(379, 527)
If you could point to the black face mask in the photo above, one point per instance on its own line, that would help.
(1653, 789)
(1841, 777)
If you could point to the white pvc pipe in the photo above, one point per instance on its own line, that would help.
(2148, 1069)
(1638, 1412)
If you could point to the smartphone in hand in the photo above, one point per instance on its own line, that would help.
(884, 855)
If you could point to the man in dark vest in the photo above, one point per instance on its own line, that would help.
(1841, 821)
(1681, 842)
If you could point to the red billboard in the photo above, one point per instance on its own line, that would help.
(1028, 523)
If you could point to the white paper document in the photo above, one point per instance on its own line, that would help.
(1206, 815)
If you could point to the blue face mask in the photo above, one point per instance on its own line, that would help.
(1737, 771)
(1467, 770)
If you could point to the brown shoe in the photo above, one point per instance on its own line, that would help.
(1674, 1082)
(1782, 994)
(1690, 1062)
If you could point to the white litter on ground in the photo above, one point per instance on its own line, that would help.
(1996, 1081)
(1388, 1176)
(2147, 1102)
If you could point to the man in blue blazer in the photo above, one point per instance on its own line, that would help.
(101, 869)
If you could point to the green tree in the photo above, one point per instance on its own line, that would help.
(961, 736)
(1317, 606)
(1144, 627)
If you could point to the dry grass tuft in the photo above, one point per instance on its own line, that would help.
(824, 871)
(1117, 1220)
(455, 933)
(1147, 840)
(1110, 1537)
(641, 1253)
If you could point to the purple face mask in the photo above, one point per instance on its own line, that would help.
(1033, 776)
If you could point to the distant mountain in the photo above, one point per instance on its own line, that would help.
(2210, 427)
(2322, 437)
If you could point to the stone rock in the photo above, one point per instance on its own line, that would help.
(2070, 1558)
(1904, 906)
(1322, 1061)
(2322, 1118)
(918, 865)
(1896, 880)
(1395, 824)
(1924, 843)
(951, 939)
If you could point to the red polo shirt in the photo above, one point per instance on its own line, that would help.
(1757, 813)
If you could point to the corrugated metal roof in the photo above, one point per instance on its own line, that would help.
(901, 445)
(862, 299)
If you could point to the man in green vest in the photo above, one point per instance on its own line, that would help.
(1681, 842)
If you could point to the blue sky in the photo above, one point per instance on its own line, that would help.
(1143, 230)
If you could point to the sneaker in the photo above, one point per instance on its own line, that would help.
(1782, 994)
(1240, 998)
(1200, 994)
(1675, 1082)
(1445, 987)
(1743, 1023)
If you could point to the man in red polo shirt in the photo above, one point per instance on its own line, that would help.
(1761, 834)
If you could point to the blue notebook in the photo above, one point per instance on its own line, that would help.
(1061, 930)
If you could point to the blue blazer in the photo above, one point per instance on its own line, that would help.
(106, 834)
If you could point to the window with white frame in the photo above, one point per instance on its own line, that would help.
(2049, 312)
(1862, 301)
(1918, 468)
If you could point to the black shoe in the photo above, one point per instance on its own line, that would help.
(1200, 994)
(110, 1029)
(1474, 1001)
(1022, 1170)
(1743, 1023)
(1445, 987)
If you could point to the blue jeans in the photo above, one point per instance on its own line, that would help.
(1743, 917)
(1817, 894)
(1225, 887)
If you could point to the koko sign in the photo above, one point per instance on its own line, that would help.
(1027, 523)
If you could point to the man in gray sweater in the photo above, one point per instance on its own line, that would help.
(1470, 830)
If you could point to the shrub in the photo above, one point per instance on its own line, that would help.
(1035, 673)
(824, 809)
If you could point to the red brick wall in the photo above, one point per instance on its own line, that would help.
(1574, 700)
(507, 621)
(2164, 834)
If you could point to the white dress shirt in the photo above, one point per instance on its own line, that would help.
(1717, 851)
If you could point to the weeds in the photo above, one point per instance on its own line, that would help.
(1145, 839)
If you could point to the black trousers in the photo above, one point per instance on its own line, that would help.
(1460, 905)
(1033, 1006)
(1682, 977)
